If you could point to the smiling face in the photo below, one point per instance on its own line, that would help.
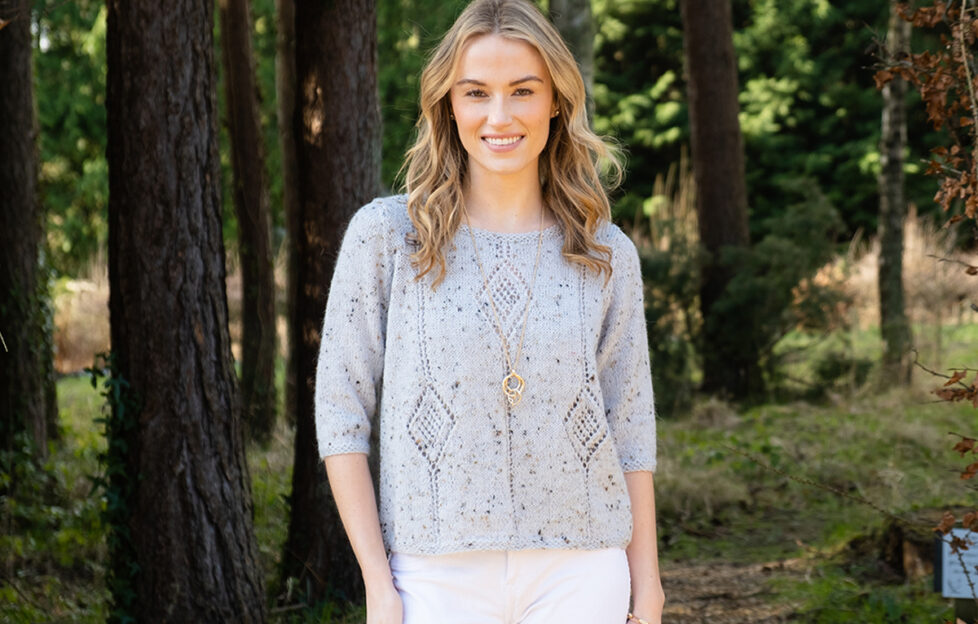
(502, 98)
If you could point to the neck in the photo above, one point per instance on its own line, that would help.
(505, 203)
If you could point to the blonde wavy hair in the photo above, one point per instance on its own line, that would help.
(571, 164)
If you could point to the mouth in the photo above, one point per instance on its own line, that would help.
(503, 141)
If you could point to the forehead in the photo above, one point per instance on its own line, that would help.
(494, 58)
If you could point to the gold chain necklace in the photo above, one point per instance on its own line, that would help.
(513, 384)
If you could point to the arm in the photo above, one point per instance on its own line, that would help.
(643, 554)
(353, 490)
(348, 377)
(626, 382)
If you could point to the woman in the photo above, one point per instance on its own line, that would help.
(492, 320)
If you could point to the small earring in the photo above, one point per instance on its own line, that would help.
(555, 113)
(451, 116)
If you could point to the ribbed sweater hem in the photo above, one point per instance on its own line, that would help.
(512, 543)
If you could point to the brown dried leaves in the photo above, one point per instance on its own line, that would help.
(947, 90)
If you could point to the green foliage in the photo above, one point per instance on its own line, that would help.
(670, 318)
(670, 271)
(639, 92)
(117, 483)
(70, 83)
(832, 597)
(52, 537)
(30, 314)
(809, 108)
(406, 31)
(808, 105)
(772, 290)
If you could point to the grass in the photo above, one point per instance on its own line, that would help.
(830, 596)
(54, 543)
(890, 449)
(729, 484)
(841, 362)
(714, 503)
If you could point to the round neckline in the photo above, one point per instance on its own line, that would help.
(514, 236)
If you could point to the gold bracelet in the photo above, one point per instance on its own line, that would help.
(634, 618)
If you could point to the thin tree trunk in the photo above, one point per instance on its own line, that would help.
(729, 355)
(285, 89)
(190, 513)
(337, 130)
(250, 195)
(26, 370)
(575, 22)
(894, 325)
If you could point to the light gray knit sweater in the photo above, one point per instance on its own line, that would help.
(460, 468)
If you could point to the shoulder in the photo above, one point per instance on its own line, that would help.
(382, 212)
(384, 217)
(624, 254)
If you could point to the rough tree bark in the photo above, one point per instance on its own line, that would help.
(190, 516)
(26, 369)
(894, 325)
(337, 131)
(250, 195)
(575, 22)
(285, 89)
(729, 356)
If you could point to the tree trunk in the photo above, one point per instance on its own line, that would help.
(250, 195)
(189, 516)
(337, 130)
(285, 89)
(729, 354)
(894, 325)
(26, 370)
(575, 22)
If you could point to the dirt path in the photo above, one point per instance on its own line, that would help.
(723, 593)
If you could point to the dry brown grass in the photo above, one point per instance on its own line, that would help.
(81, 317)
(938, 291)
(81, 314)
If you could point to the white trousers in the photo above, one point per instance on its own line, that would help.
(514, 587)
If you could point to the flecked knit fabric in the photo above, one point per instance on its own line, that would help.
(460, 468)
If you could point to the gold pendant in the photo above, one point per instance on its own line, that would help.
(513, 393)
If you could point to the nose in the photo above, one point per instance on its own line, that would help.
(499, 113)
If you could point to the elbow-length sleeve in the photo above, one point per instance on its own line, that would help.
(624, 370)
(351, 350)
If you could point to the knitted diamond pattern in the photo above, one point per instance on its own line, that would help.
(509, 291)
(430, 425)
(584, 426)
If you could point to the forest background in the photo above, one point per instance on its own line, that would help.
(730, 496)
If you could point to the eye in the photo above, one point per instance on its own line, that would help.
(523, 91)
(477, 93)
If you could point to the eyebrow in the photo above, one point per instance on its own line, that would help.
(473, 81)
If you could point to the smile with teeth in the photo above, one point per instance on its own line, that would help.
(501, 140)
